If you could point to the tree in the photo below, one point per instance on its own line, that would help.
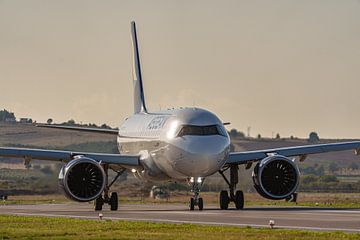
(308, 170)
(47, 170)
(313, 137)
(232, 148)
(235, 133)
(320, 171)
(105, 126)
(309, 179)
(277, 136)
(4, 114)
(259, 136)
(333, 167)
(71, 122)
(354, 166)
(328, 178)
(49, 121)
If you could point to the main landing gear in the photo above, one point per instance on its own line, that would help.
(112, 199)
(195, 188)
(236, 197)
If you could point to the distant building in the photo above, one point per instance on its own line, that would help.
(25, 120)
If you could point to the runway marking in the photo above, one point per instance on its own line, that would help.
(185, 212)
(337, 211)
(186, 221)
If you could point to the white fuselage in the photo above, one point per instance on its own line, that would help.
(175, 144)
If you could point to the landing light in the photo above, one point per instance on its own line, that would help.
(198, 180)
(133, 170)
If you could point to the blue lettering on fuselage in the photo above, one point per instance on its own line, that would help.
(157, 123)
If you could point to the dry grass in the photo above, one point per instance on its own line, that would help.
(342, 200)
(15, 227)
(42, 137)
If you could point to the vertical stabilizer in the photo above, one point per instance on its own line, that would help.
(139, 98)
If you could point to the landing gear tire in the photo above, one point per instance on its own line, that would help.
(192, 204)
(239, 200)
(99, 202)
(224, 200)
(114, 203)
(236, 197)
(201, 204)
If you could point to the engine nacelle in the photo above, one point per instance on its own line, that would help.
(82, 179)
(276, 177)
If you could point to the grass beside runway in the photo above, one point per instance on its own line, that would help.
(19, 227)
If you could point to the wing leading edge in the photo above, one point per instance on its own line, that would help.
(81, 129)
(66, 156)
(303, 151)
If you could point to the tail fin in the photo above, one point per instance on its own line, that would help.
(139, 98)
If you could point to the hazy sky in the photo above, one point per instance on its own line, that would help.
(277, 66)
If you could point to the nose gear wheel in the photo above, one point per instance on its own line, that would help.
(196, 200)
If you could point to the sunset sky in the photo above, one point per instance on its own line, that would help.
(287, 67)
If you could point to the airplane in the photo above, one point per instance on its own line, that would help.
(183, 144)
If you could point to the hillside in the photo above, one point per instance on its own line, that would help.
(26, 134)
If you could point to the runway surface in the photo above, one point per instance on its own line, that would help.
(319, 219)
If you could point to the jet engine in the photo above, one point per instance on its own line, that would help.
(276, 177)
(82, 179)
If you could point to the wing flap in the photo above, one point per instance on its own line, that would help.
(117, 159)
(37, 154)
(244, 157)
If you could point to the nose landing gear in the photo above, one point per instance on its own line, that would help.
(196, 185)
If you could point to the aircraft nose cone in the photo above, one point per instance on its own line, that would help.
(201, 156)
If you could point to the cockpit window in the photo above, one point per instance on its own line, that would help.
(199, 130)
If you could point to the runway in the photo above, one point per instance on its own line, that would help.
(319, 219)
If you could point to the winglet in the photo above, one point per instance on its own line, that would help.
(139, 98)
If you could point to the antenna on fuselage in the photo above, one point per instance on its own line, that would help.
(139, 98)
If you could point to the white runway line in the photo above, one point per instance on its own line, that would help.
(337, 211)
(187, 222)
(181, 212)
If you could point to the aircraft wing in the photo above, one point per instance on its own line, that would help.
(302, 151)
(81, 129)
(66, 156)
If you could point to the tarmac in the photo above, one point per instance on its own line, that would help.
(306, 218)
